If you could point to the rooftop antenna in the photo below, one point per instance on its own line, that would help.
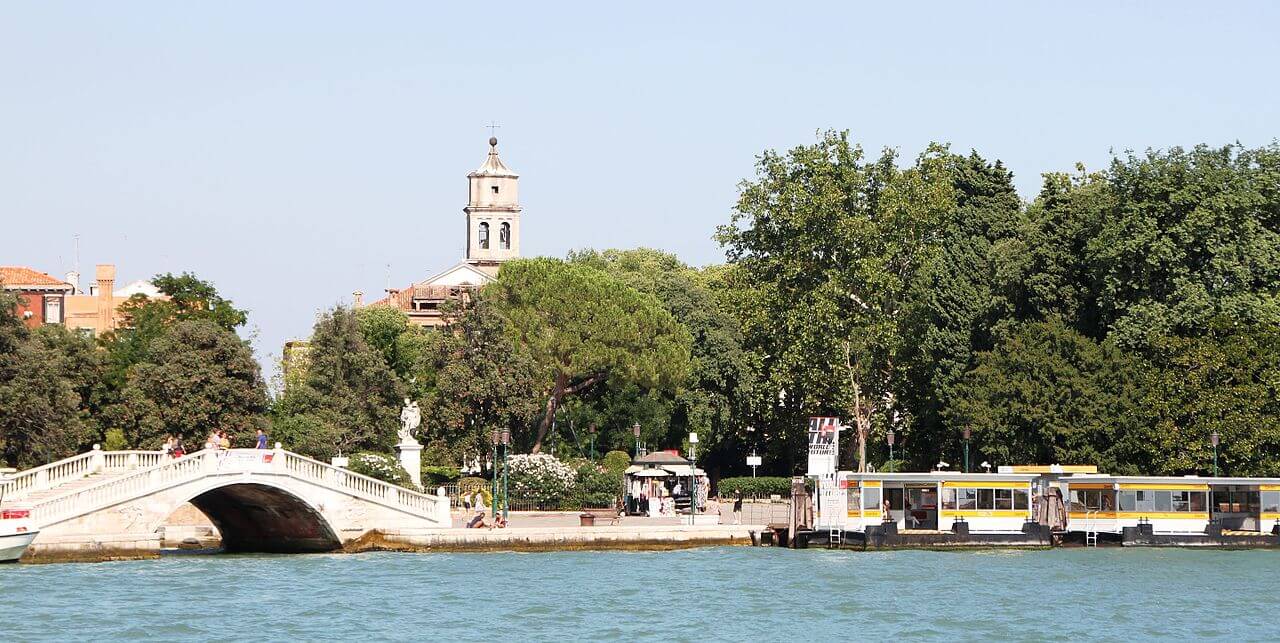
(76, 265)
(388, 289)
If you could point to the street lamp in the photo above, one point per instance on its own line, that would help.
(693, 473)
(592, 431)
(494, 437)
(635, 430)
(1214, 438)
(506, 499)
(890, 437)
(967, 434)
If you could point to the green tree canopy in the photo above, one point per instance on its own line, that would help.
(583, 327)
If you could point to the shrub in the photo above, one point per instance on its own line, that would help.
(382, 467)
(114, 440)
(540, 479)
(616, 461)
(435, 476)
(596, 486)
(892, 466)
(755, 486)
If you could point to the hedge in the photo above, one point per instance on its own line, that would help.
(435, 475)
(762, 486)
(616, 461)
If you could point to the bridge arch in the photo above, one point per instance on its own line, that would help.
(262, 516)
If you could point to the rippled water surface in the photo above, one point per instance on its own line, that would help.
(728, 593)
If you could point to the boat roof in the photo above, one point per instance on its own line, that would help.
(939, 476)
(1196, 480)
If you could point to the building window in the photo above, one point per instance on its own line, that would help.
(484, 236)
(495, 189)
(52, 310)
(504, 236)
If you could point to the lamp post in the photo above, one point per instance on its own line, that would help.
(635, 430)
(506, 446)
(693, 473)
(1214, 439)
(890, 436)
(967, 434)
(494, 436)
(592, 431)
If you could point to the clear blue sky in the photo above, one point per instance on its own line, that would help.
(290, 151)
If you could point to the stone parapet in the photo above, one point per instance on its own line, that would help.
(555, 538)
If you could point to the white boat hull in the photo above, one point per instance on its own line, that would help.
(12, 546)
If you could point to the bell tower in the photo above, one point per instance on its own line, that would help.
(493, 213)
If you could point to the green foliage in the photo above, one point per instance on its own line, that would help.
(829, 245)
(114, 440)
(44, 381)
(381, 466)
(596, 487)
(203, 378)
(540, 479)
(433, 475)
(762, 486)
(348, 400)
(616, 461)
(583, 328)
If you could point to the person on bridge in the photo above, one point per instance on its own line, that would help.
(262, 440)
(179, 449)
(224, 442)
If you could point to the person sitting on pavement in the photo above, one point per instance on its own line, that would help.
(477, 522)
(499, 522)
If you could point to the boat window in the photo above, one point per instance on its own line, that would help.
(966, 498)
(871, 497)
(1163, 501)
(1197, 500)
(1128, 500)
(986, 499)
(855, 498)
(1020, 499)
(1004, 499)
(1145, 501)
(949, 498)
(895, 498)
(1181, 501)
(1271, 501)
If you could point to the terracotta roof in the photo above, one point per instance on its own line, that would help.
(12, 276)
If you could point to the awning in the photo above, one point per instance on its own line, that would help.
(650, 473)
(682, 470)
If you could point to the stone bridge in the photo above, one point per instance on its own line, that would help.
(260, 501)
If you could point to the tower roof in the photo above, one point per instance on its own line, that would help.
(493, 166)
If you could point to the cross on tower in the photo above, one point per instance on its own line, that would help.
(493, 125)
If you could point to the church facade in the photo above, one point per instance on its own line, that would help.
(493, 236)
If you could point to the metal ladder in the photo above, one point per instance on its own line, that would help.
(1090, 529)
(836, 538)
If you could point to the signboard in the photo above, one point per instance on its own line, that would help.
(753, 461)
(824, 445)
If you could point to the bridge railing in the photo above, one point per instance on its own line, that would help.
(70, 469)
(168, 472)
(385, 492)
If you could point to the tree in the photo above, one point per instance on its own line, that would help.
(200, 377)
(830, 244)
(583, 328)
(1224, 381)
(954, 306)
(1048, 394)
(43, 375)
(714, 400)
(348, 398)
(478, 380)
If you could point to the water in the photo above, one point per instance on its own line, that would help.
(726, 593)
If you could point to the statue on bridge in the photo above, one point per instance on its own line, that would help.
(410, 418)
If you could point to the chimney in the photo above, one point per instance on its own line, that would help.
(73, 278)
(357, 299)
(106, 278)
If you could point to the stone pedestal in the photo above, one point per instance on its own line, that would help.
(411, 459)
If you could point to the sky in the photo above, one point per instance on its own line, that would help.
(293, 152)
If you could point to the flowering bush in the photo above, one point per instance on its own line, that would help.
(383, 467)
(540, 478)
